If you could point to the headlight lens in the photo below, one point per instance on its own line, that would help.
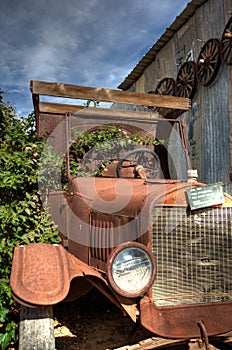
(132, 269)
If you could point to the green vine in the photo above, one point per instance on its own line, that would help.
(102, 144)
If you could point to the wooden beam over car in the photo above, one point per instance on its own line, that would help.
(108, 95)
(103, 113)
(58, 108)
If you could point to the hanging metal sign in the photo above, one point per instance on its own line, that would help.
(205, 196)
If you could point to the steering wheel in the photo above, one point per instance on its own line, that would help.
(150, 166)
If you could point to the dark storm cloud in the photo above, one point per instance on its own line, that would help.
(94, 42)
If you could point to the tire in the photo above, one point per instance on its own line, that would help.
(36, 329)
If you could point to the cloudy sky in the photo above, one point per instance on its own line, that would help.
(83, 42)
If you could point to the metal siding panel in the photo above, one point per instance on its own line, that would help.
(217, 130)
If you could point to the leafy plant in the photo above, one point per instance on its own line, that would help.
(22, 219)
(102, 146)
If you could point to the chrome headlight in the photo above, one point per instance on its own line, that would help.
(131, 269)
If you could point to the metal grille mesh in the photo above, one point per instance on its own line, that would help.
(194, 255)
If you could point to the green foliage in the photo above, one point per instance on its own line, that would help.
(102, 146)
(22, 219)
(94, 102)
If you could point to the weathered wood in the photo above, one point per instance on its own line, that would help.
(108, 113)
(108, 95)
(58, 108)
(155, 343)
(62, 109)
(36, 329)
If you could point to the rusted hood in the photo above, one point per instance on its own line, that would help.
(129, 196)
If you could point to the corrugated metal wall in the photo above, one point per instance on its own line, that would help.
(208, 124)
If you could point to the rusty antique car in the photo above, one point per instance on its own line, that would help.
(144, 232)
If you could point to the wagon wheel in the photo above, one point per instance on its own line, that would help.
(186, 81)
(166, 86)
(36, 329)
(226, 43)
(208, 62)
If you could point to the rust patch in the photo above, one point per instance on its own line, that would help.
(40, 274)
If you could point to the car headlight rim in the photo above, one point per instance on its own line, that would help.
(153, 268)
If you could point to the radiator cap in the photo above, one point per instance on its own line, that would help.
(192, 175)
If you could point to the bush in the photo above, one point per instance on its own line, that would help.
(21, 219)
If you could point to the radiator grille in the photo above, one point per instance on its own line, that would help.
(194, 255)
(108, 231)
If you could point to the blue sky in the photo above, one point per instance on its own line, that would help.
(84, 42)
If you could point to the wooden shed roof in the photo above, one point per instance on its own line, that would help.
(149, 57)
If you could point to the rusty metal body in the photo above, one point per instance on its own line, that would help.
(191, 291)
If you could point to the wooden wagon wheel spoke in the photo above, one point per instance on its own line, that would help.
(209, 61)
(186, 81)
(226, 44)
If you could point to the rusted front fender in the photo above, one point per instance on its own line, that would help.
(44, 274)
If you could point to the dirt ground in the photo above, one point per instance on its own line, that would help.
(94, 323)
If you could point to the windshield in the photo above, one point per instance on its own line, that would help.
(117, 133)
